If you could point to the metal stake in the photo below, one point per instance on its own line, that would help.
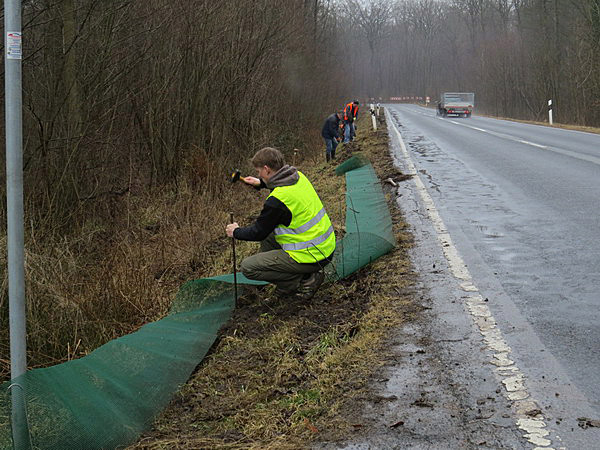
(234, 262)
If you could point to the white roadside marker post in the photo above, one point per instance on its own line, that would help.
(373, 118)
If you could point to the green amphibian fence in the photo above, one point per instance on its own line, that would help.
(108, 398)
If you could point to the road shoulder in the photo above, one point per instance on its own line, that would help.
(436, 388)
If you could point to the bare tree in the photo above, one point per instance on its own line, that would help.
(371, 19)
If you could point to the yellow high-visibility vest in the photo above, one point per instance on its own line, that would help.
(309, 237)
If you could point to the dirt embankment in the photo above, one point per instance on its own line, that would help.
(284, 374)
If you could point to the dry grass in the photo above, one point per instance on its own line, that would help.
(281, 374)
(284, 373)
(104, 281)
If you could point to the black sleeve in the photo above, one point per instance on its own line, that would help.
(262, 185)
(274, 213)
(333, 128)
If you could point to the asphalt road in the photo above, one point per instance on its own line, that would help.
(522, 205)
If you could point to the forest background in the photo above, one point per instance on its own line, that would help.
(136, 112)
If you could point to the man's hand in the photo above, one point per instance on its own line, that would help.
(229, 229)
(252, 181)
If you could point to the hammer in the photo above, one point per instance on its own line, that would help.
(237, 175)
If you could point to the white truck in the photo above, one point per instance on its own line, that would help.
(456, 104)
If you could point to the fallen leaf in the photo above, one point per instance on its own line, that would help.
(310, 426)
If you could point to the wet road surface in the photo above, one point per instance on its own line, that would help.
(521, 203)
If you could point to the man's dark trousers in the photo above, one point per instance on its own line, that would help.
(274, 265)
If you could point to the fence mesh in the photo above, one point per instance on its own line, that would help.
(106, 399)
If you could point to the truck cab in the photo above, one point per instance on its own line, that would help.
(458, 104)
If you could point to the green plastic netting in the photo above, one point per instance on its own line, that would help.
(369, 233)
(106, 399)
(356, 161)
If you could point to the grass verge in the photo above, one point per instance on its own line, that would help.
(282, 374)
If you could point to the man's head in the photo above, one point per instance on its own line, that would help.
(355, 102)
(267, 161)
(340, 113)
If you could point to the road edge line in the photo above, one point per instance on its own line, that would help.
(534, 430)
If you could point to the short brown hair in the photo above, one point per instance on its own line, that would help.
(270, 157)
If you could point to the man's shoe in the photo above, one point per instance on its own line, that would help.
(310, 285)
(281, 294)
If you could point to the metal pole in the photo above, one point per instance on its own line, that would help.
(234, 263)
(14, 186)
(14, 201)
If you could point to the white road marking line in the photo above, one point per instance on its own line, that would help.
(535, 430)
(534, 144)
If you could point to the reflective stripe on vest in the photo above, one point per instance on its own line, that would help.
(307, 226)
(309, 237)
(308, 244)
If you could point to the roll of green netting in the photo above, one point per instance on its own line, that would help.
(369, 232)
(108, 398)
(354, 162)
